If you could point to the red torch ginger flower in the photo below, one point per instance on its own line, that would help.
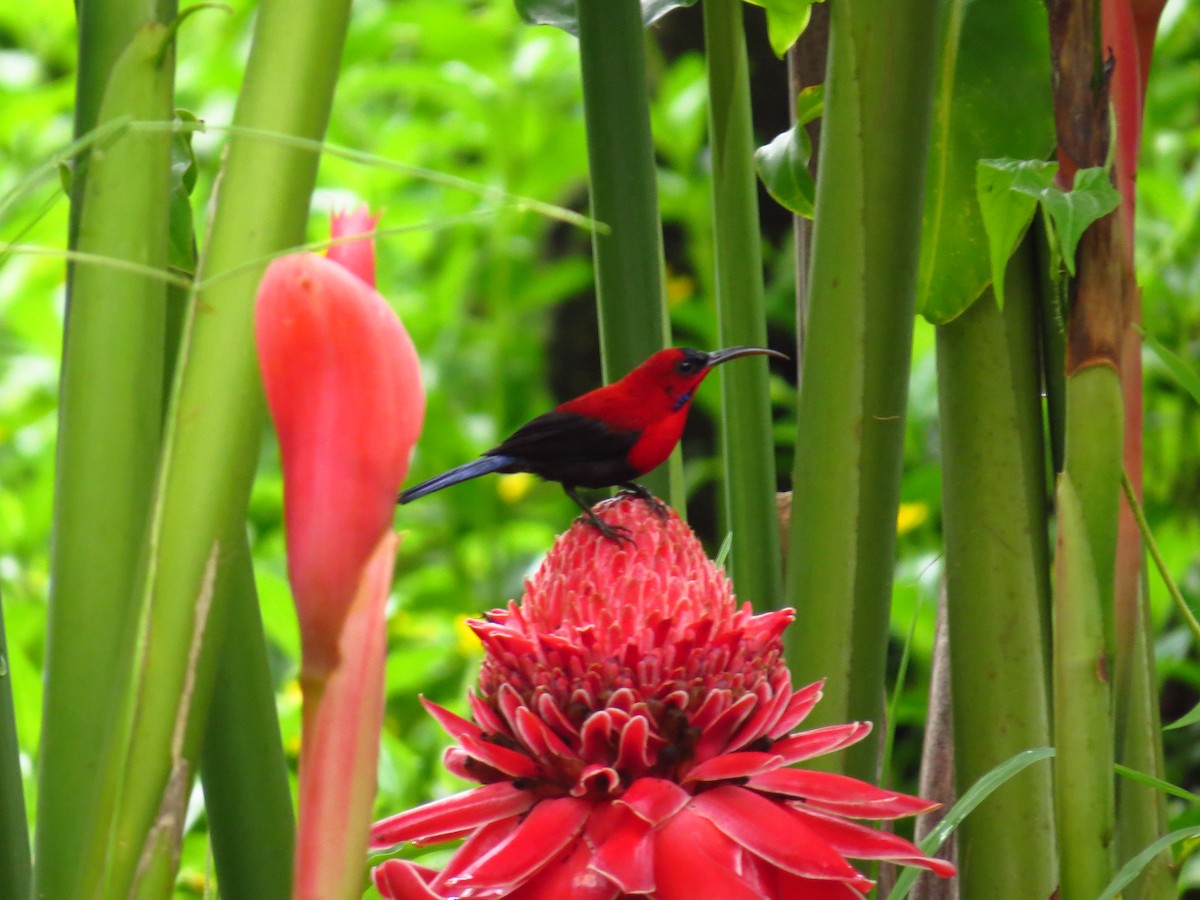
(633, 735)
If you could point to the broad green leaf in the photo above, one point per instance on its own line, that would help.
(786, 21)
(992, 100)
(1092, 197)
(561, 13)
(783, 164)
(1187, 376)
(1006, 212)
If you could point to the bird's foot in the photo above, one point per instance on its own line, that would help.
(617, 533)
(633, 489)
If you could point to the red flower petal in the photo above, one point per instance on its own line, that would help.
(568, 876)
(773, 700)
(810, 744)
(624, 848)
(455, 726)
(799, 707)
(356, 256)
(840, 794)
(548, 828)
(861, 842)
(343, 384)
(734, 765)
(769, 830)
(510, 762)
(655, 799)
(793, 887)
(475, 848)
(401, 879)
(693, 859)
(715, 737)
(469, 809)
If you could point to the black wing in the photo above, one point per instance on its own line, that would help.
(561, 436)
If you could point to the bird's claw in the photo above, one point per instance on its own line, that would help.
(633, 489)
(617, 533)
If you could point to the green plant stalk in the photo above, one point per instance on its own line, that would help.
(630, 292)
(747, 442)
(850, 429)
(1092, 457)
(110, 419)
(1083, 780)
(1141, 809)
(997, 567)
(105, 29)
(216, 412)
(15, 869)
(243, 755)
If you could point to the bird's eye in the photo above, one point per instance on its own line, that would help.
(688, 366)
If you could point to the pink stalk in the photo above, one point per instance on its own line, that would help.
(343, 385)
(342, 719)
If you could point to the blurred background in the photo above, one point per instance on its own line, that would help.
(500, 305)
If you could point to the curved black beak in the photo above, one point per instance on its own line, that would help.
(716, 357)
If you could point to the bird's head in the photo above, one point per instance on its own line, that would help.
(678, 371)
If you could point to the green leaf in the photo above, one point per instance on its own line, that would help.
(783, 164)
(1092, 197)
(786, 21)
(1157, 783)
(1188, 718)
(1007, 212)
(979, 792)
(1133, 868)
(992, 100)
(1188, 378)
(653, 10)
(559, 13)
(562, 13)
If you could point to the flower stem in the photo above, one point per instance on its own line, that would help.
(747, 443)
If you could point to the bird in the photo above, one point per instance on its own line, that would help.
(606, 437)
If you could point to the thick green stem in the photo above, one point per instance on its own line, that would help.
(110, 418)
(242, 766)
(747, 443)
(1083, 765)
(105, 29)
(993, 496)
(15, 871)
(630, 294)
(216, 412)
(855, 370)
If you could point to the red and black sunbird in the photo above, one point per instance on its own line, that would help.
(607, 437)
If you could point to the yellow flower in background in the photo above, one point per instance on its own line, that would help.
(911, 516)
(679, 288)
(513, 488)
(468, 641)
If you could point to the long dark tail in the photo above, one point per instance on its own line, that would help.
(465, 472)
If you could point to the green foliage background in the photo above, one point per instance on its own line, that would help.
(498, 301)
